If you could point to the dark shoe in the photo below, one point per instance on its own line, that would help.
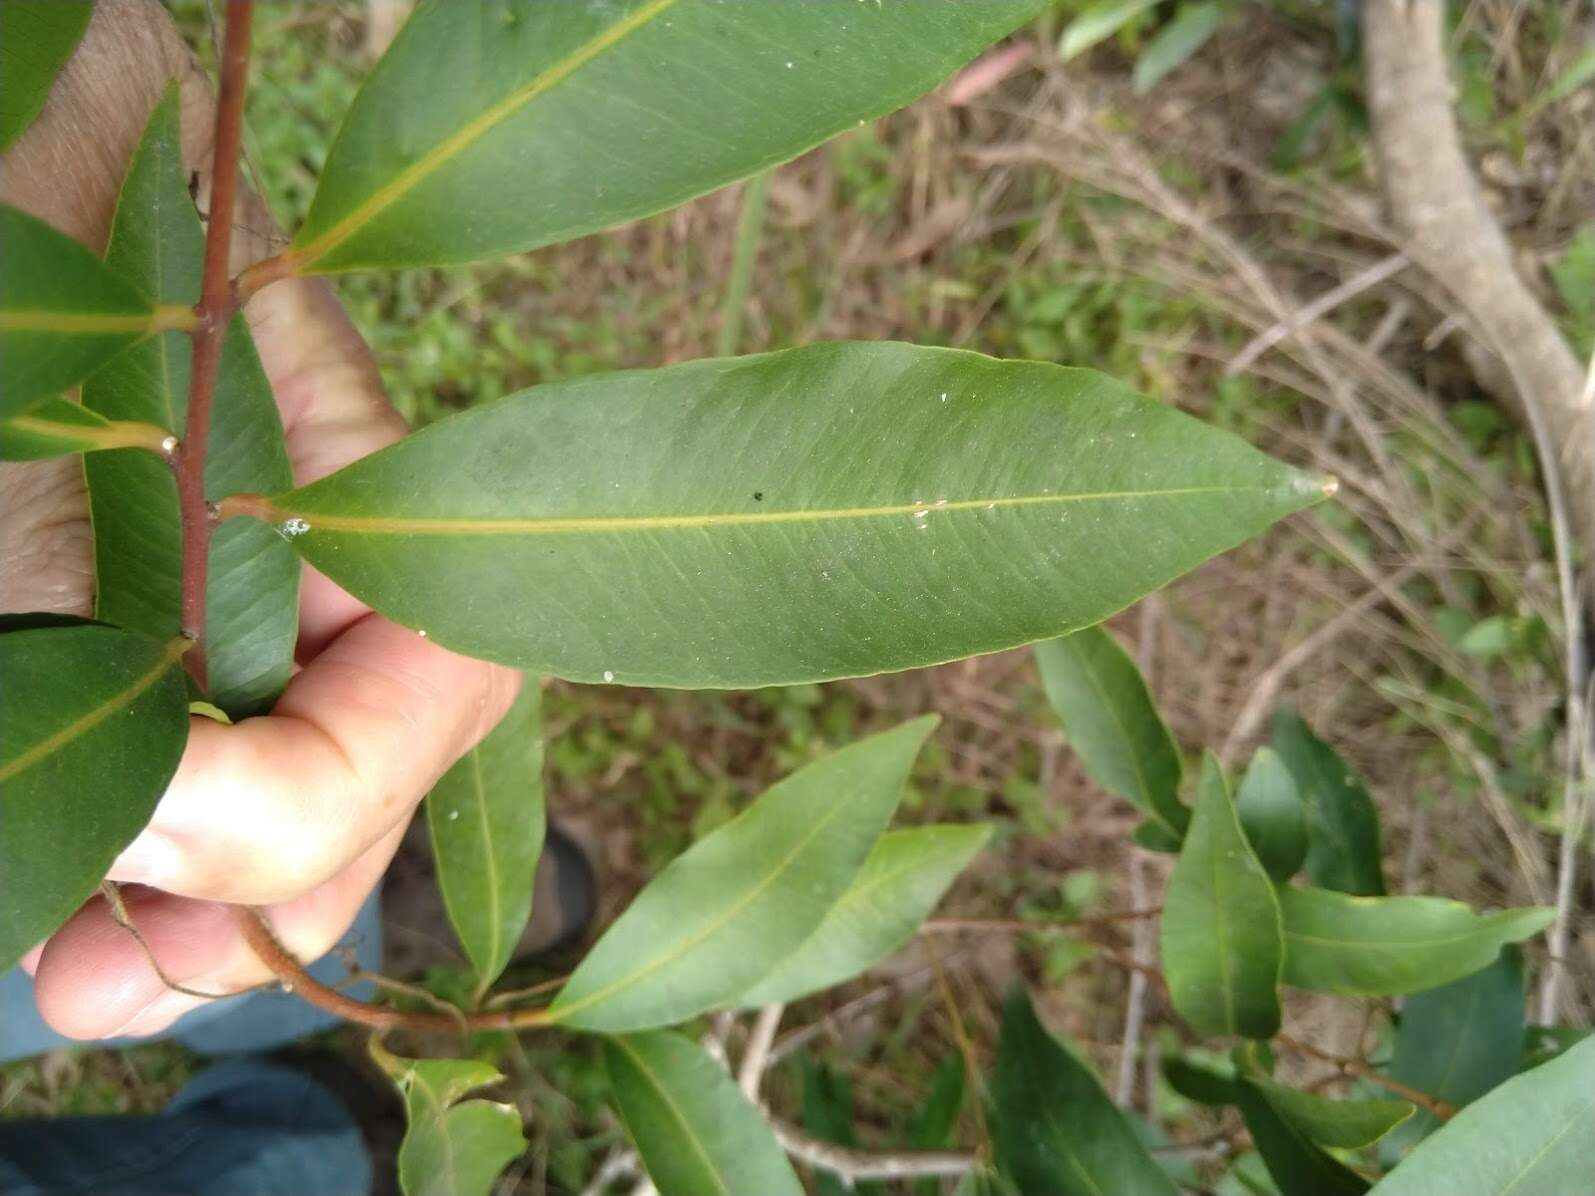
(416, 934)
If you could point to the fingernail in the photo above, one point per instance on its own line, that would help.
(151, 859)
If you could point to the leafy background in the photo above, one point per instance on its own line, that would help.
(1054, 217)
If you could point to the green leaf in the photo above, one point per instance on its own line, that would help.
(1529, 1137)
(62, 314)
(452, 1147)
(1347, 1124)
(980, 1182)
(1155, 836)
(1200, 1082)
(1577, 76)
(1108, 715)
(827, 1105)
(696, 1132)
(1342, 822)
(36, 39)
(1054, 1128)
(1174, 44)
(489, 129)
(93, 730)
(1541, 1044)
(797, 516)
(1294, 1161)
(901, 881)
(1272, 814)
(1381, 946)
(1220, 938)
(1459, 1041)
(56, 426)
(252, 590)
(935, 1119)
(1099, 22)
(486, 820)
(735, 904)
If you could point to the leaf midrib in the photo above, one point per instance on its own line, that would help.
(1318, 940)
(443, 525)
(557, 1014)
(675, 1112)
(471, 132)
(88, 721)
(490, 864)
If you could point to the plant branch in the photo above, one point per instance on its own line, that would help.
(852, 1166)
(291, 974)
(1357, 1067)
(1436, 203)
(217, 302)
(756, 1059)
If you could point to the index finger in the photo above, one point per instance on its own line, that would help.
(268, 809)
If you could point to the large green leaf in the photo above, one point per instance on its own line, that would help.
(36, 39)
(452, 1147)
(486, 819)
(830, 511)
(489, 129)
(1382, 946)
(1220, 938)
(900, 883)
(1203, 1081)
(95, 722)
(1272, 814)
(62, 313)
(252, 590)
(696, 1132)
(1342, 822)
(57, 425)
(733, 906)
(1532, 1136)
(1110, 720)
(1054, 1128)
(1297, 1164)
(1459, 1041)
(1342, 1123)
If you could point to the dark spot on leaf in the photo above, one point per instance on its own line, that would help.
(758, 496)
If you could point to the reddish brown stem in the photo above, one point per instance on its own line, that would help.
(1363, 1071)
(257, 933)
(217, 302)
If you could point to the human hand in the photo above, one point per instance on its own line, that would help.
(299, 811)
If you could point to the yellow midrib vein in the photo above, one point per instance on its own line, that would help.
(674, 1109)
(920, 511)
(558, 1014)
(472, 131)
(88, 721)
(166, 317)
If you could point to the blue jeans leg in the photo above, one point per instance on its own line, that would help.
(248, 1024)
(243, 1128)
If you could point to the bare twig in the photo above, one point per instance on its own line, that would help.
(756, 1058)
(1316, 309)
(1363, 1071)
(1436, 204)
(853, 1166)
(257, 933)
(1135, 996)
